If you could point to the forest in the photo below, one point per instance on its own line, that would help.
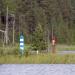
(39, 19)
(46, 26)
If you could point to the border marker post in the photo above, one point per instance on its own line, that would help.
(21, 44)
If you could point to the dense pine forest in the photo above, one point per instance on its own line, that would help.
(41, 19)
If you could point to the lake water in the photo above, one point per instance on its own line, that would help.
(66, 52)
(37, 69)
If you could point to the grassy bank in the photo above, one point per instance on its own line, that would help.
(65, 47)
(38, 59)
(15, 49)
(10, 55)
(6, 50)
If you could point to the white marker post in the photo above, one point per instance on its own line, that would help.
(21, 44)
(37, 52)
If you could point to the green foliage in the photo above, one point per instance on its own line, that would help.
(9, 50)
(11, 5)
(42, 11)
(38, 41)
(38, 59)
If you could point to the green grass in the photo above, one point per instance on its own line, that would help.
(10, 55)
(38, 59)
(12, 49)
(65, 47)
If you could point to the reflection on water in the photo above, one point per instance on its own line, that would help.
(37, 69)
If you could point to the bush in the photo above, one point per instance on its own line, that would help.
(38, 40)
(8, 50)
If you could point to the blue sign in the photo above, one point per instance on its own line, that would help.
(22, 44)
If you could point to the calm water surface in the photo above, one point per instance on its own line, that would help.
(37, 69)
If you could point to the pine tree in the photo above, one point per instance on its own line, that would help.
(38, 39)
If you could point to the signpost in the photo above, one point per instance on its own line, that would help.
(53, 44)
(21, 44)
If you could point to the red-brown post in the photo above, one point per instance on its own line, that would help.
(53, 44)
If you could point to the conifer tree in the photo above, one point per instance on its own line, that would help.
(38, 39)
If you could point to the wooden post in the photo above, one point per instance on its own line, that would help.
(53, 45)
